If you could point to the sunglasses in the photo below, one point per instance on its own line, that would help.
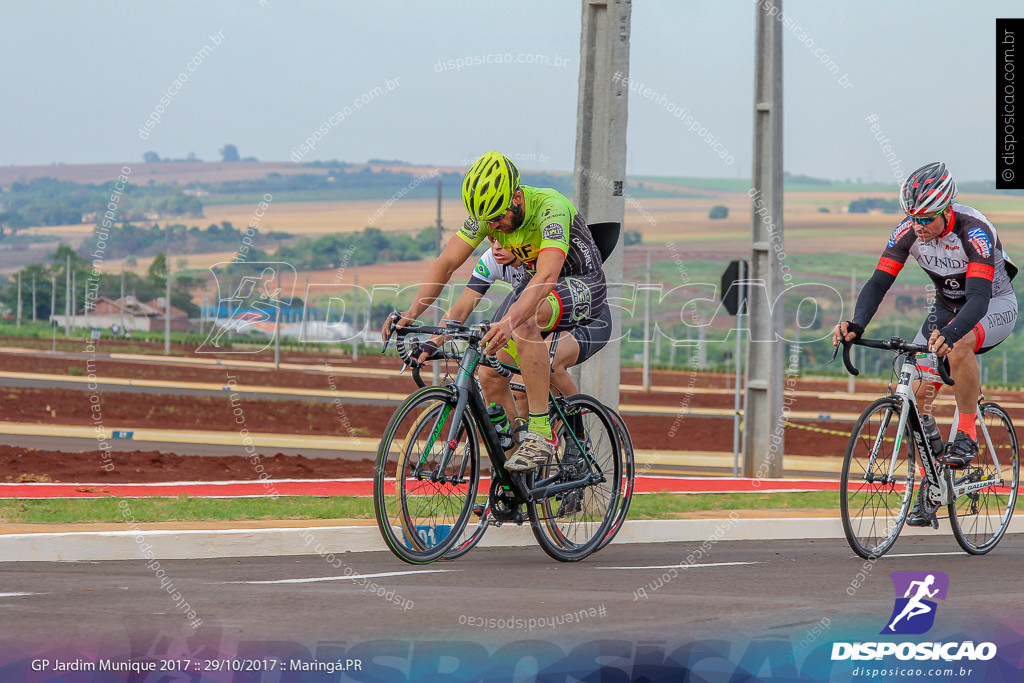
(923, 220)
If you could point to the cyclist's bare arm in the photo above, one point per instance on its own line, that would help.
(459, 311)
(455, 253)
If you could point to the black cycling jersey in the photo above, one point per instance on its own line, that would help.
(966, 263)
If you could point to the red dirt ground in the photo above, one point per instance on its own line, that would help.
(124, 410)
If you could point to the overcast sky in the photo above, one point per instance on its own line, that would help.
(81, 77)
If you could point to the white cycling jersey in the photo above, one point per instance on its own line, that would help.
(487, 271)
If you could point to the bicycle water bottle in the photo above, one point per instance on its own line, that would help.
(931, 432)
(499, 419)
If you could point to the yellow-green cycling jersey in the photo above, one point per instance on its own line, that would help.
(550, 221)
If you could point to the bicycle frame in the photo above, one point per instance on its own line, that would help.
(935, 473)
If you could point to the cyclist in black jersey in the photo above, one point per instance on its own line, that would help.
(975, 308)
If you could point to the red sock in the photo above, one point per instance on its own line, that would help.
(967, 425)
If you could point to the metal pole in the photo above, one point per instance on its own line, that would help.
(305, 308)
(33, 297)
(167, 304)
(53, 310)
(739, 368)
(600, 169)
(355, 316)
(67, 299)
(763, 435)
(121, 303)
(19, 299)
(277, 337)
(647, 326)
(74, 298)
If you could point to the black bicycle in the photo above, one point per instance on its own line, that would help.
(877, 484)
(475, 530)
(428, 470)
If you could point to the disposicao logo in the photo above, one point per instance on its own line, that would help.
(913, 613)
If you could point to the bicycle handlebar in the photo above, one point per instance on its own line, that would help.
(890, 344)
(473, 336)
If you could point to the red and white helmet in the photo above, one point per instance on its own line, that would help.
(928, 190)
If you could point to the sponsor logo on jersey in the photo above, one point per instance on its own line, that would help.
(471, 228)
(554, 231)
(979, 240)
(951, 247)
(898, 233)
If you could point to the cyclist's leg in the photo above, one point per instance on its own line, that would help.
(573, 301)
(495, 387)
(928, 388)
(577, 346)
(566, 355)
(993, 328)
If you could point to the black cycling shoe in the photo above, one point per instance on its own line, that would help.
(961, 453)
(917, 518)
(922, 514)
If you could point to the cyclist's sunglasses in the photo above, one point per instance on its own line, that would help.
(924, 220)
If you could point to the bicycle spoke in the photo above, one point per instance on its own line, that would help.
(979, 518)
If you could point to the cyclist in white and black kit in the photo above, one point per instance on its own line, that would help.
(975, 308)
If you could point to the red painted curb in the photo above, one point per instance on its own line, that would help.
(364, 487)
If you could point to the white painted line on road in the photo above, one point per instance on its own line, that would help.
(685, 566)
(17, 595)
(354, 577)
(925, 554)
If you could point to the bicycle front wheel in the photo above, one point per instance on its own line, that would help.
(980, 517)
(424, 486)
(570, 521)
(626, 485)
(877, 482)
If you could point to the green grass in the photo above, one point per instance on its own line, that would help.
(667, 505)
(183, 508)
(186, 509)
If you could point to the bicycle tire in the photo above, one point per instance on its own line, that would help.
(570, 525)
(871, 535)
(628, 475)
(420, 519)
(472, 535)
(980, 518)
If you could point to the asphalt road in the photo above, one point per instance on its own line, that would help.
(799, 595)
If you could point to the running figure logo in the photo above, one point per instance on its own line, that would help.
(914, 613)
(249, 297)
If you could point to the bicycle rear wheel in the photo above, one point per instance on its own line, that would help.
(980, 517)
(875, 503)
(423, 491)
(626, 485)
(569, 524)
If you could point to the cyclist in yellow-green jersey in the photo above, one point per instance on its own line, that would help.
(566, 287)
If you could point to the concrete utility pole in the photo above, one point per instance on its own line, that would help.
(19, 300)
(763, 438)
(600, 175)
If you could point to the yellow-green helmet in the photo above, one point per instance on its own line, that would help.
(488, 187)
